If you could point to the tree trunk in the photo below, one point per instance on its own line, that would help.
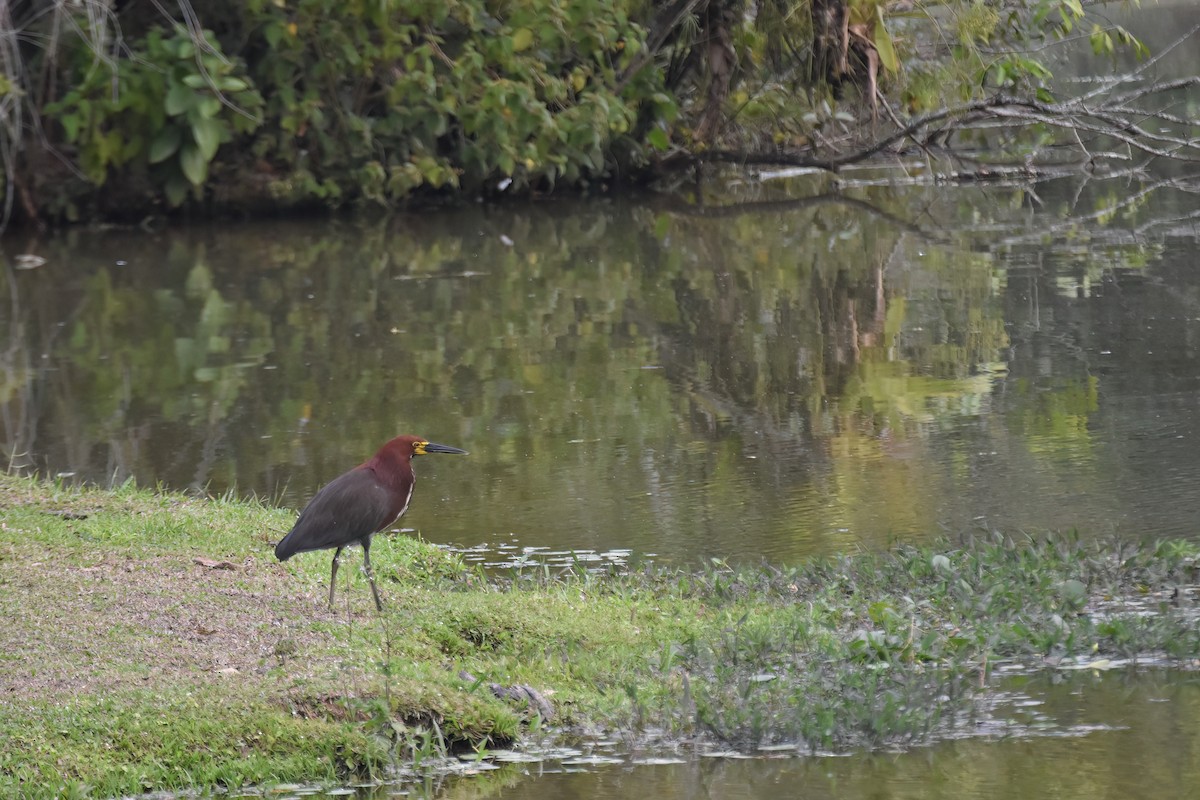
(831, 42)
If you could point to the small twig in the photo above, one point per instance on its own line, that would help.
(1106, 86)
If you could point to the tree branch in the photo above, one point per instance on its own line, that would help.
(1117, 118)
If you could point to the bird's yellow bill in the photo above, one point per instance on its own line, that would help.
(423, 448)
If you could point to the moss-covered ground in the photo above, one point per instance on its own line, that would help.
(151, 641)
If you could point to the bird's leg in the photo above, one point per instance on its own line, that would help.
(366, 544)
(333, 576)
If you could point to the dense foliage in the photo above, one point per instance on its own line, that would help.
(293, 102)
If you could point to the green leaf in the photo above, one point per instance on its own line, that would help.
(71, 124)
(195, 81)
(1068, 22)
(208, 106)
(207, 133)
(176, 189)
(522, 39)
(165, 144)
(233, 85)
(883, 44)
(134, 145)
(1073, 592)
(108, 146)
(179, 99)
(273, 32)
(658, 139)
(213, 64)
(193, 163)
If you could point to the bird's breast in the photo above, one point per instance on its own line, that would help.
(403, 506)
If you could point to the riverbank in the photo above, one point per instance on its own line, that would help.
(152, 642)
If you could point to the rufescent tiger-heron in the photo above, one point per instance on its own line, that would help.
(357, 504)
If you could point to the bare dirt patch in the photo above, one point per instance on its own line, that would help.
(96, 623)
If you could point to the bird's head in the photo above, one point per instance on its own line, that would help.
(405, 447)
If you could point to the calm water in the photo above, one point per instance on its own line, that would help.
(774, 380)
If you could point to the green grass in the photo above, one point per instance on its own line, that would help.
(130, 664)
(140, 741)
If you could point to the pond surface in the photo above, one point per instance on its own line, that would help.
(770, 378)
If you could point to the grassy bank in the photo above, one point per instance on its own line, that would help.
(151, 641)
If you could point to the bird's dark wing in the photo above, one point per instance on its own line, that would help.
(349, 507)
